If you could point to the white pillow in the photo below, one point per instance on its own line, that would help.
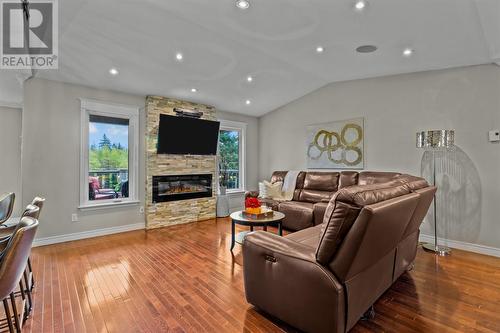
(269, 190)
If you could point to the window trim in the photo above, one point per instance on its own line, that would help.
(241, 127)
(94, 107)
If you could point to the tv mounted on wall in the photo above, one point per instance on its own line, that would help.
(187, 136)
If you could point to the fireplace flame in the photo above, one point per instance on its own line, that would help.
(183, 188)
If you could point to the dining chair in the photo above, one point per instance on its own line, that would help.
(6, 206)
(13, 258)
(7, 233)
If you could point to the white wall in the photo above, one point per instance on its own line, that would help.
(51, 155)
(395, 108)
(10, 153)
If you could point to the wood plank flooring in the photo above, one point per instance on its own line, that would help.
(184, 279)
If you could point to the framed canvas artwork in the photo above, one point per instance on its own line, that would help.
(336, 145)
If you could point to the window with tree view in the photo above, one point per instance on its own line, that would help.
(108, 163)
(229, 159)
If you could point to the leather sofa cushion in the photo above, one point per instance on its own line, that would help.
(321, 181)
(319, 211)
(348, 178)
(309, 236)
(338, 220)
(374, 177)
(344, 208)
(314, 196)
(318, 186)
(299, 185)
(363, 195)
(298, 215)
(415, 183)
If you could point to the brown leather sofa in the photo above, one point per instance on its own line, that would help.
(314, 190)
(325, 277)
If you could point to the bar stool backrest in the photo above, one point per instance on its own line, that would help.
(38, 201)
(31, 211)
(6, 206)
(15, 255)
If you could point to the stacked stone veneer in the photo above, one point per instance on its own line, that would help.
(184, 211)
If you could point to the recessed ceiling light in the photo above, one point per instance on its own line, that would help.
(113, 71)
(194, 90)
(360, 5)
(179, 56)
(320, 49)
(242, 4)
(366, 49)
(407, 52)
(248, 102)
(249, 78)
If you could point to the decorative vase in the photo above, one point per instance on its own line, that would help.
(222, 205)
(222, 190)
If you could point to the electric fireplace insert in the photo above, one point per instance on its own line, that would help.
(181, 187)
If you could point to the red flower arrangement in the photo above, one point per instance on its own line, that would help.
(252, 205)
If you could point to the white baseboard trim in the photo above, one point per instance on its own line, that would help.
(87, 234)
(482, 249)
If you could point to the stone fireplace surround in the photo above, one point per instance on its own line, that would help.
(168, 213)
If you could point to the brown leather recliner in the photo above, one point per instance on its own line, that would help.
(323, 278)
(314, 190)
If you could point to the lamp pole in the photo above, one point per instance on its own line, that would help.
(434, 140)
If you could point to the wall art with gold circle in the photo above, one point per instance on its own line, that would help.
(336, 145)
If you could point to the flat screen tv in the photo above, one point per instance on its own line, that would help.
(187, 136)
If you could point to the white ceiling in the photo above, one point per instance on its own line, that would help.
(274, 41)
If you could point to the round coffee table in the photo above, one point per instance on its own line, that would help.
(238, 218)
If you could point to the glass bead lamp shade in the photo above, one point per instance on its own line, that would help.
(436, 139)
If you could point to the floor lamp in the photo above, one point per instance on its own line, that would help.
(433, 141)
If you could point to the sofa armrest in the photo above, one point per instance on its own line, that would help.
(283, 278)
(274, 244)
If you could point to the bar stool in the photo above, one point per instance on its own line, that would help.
(5, 235)
(6, 206)
(13, 258)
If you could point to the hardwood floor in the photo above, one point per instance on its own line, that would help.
(184, 279)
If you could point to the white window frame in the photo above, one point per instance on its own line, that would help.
(93, 107)
(228, 125)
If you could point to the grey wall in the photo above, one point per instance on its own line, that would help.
(10, 153)
(394, 108)
(51, 157)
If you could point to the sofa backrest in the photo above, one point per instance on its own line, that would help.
(317, 186)
(278, 176)
(344, 209)
(364, 262)
(426, 193)
(376, 177)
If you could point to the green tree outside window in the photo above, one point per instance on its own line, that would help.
(229, 159)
